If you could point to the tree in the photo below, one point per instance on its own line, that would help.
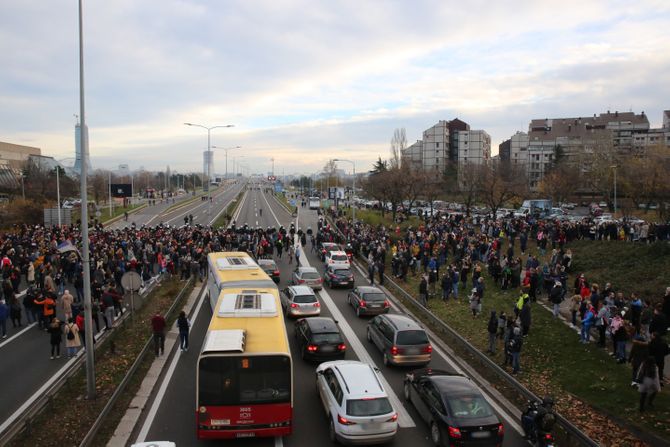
(469, 184)
(398, 143)
(560, 183)
(499, 183)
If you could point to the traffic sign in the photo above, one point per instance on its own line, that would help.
(131, 281)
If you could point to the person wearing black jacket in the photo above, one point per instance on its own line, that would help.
(658, 349)
(556, 296)
(423, 291)
(493, 331)
(515, 345)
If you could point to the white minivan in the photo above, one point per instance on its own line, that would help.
(357, 406)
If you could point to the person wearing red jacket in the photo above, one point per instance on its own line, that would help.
(158, 327)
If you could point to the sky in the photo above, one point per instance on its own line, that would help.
(307, 81)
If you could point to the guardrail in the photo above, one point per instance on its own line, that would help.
(33, 409)
(573, 432)
(90, 436)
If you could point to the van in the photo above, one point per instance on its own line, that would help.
(400, 339)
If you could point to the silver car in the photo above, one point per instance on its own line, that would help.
(300, 301)
(307, 276)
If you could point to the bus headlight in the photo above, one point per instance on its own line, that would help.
(203, 410)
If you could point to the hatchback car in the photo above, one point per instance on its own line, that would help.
(400, 339)
(337, 258)
(319, 338)
(356, 403)
(454, 407)
(300, 301)
(368, 300)
(307, 276)
(336, 276)
(270, 267)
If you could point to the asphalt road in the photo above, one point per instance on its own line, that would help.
(175, 418)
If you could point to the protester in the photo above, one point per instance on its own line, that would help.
(158, 328)
(184, 325)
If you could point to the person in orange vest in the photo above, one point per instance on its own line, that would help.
(48, 304)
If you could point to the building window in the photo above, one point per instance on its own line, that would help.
(437, 144)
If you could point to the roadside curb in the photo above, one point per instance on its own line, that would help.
(138, 404)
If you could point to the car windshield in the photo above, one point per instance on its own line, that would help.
(369, 407)
(469, 406)
(342, 272)
(374, 297)
(328, 337)
(310, 275)
(411, 338)
(304, 299)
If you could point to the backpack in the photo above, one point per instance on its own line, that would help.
(70, 334)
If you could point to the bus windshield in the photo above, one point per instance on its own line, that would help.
(244, 380)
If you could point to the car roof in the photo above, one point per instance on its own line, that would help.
(306, 269)
(319, 325)
(454, 384)
(266, 262)
(402, 322)
(301, 290)
(369, 289)
(361, 380)
(338, 252)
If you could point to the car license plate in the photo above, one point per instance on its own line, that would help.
(371, 426)
(412, 351)
(480, 434)
(246, 435)
(326, 348)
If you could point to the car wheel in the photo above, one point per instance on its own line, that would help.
(387, 361)
(435, 434)
(369, 336)
(358, 311)
(303, 355)
(331, 431)
(349, 300)
(406, 391)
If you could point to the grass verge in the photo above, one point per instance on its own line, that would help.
(69, 416)
(226, 216)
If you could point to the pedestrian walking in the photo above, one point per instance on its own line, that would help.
(475, 302)
(492, 329)
(4, 314)
(66, 304)
(55, 337)
(72, 340)
(158, 328)
(515, 345)
(184, 326)
(649, 383)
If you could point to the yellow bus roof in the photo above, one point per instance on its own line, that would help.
(234, 266)
(263, 334)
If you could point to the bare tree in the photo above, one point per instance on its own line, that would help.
(500, 183)
(559, 183)
(398, 143)
(469, 185)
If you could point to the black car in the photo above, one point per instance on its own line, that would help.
(327, 247)
(270, 267)
(319, 338)
(368, 300)
(338, 276)
(455, 408)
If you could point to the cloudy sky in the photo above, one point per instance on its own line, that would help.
(306, 81)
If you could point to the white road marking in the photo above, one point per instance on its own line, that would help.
(166, 381)
(279, 441)
(404, 419)
(18, 334)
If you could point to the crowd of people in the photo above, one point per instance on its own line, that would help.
(533, 257)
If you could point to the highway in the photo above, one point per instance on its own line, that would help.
(24, 355)
(174, 418)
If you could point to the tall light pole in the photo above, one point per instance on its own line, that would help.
(615, 168)
(88, 320)
(236, 163)
(353, 187)
(226, 149)
(209, 157)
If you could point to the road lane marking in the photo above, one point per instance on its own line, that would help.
(148, 422)
(17, 334)
(404, 419)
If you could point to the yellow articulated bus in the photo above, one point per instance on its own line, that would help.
(244, 374)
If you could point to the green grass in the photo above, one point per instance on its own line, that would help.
(554, 362)
(225, 217)
(375, 218)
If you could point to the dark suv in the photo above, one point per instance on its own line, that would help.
(319, 338)
(400, 339)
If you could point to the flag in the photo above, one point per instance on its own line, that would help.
(67, 246)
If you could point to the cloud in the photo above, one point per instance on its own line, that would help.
(306, 81)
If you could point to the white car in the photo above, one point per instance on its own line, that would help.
(356, 404)
(337, 258)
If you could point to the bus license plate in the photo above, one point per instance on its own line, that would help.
(245, 435)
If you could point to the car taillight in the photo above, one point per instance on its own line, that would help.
(294, 306)
(501, 430)
(301, 281)
(547, 436)
(454, 432)
(276, 273)
(428, 349)
(393, 418)
(363, 303)
(386, 303)
(344, 421)
(317, 304)
(319, 280)
(341, 347)
(395, 350)
(312, 348)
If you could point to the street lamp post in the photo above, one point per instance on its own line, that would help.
(236, 163)
(353, 187)
(615, 168)
(226, 149)
(209, 156)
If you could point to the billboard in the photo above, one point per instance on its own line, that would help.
(336, 193)
(121, 189)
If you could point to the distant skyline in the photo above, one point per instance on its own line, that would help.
(307, 81)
